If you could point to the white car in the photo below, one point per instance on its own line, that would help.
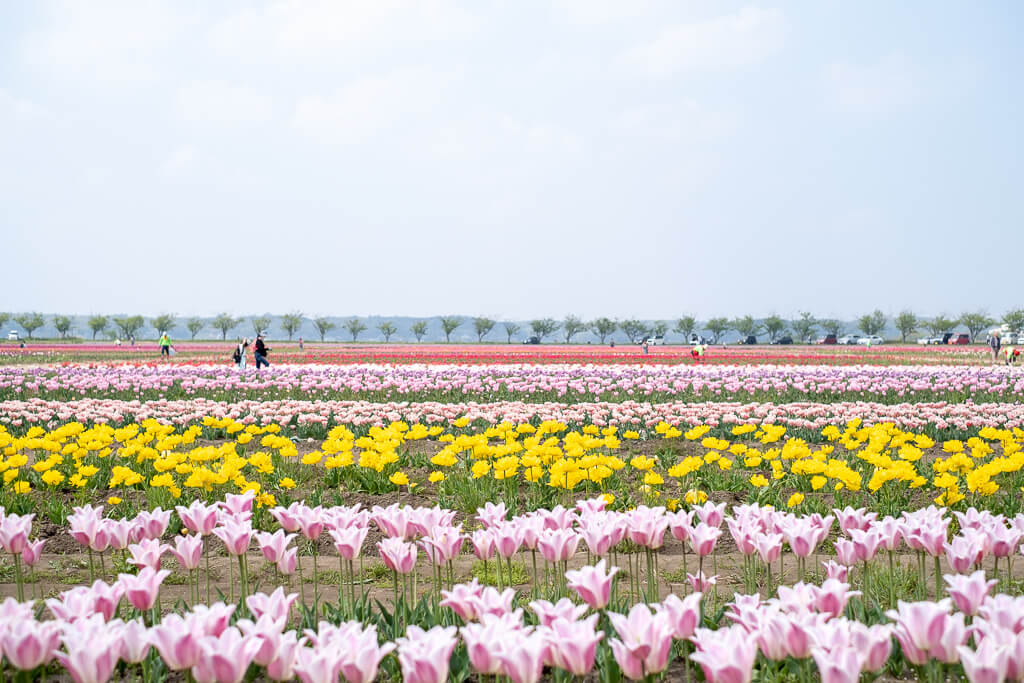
(871, 340)
(848, 339)
(929, 341)
(13, 335)
(654, 341)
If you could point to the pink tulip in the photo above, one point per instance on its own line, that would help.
(592, 583)
(28, 643)
(398, 555)
(962, 553)
(855, 519)
(273, 546)
(122, 532)
(143, 588)
(683, 615)
(177, 643)
(644, 642)
(508, 538)
(599, 537)
(573, 644)
(363, 657)
(769, 547)
(564, 610)
(153, 523)
(211, 620)
(236, 535)
(349, 541)
(834, 570)
(463, 599)
(920, 627)
(225, 658)
(494, 603)
(987, 664)
(268, 632)
(198, 517)
(832, 596)
(485, 641)
(135, 641)
(701, 582)
(14, 533)
(490, 514)
(147, 553)
(703, 539)
(311, 522)
(523, 658)
(281, 667)
(238, 505)
(91, 651)
(288, 562)
(85, 523)
(842, 665)
(288, 517)
(188, 550)
(846, 552)
(483, 544)
(443, 544)
(322, 665)
(277, 605)
(425, 655)
(710, 513)
(647, 526)
(865, 543)
(968, 592)
(558, 545)
(726, 655)
(33, 552)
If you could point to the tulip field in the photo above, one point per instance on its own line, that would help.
(447, 514)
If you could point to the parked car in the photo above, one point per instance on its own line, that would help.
(929, 341)
(532, 340)
(870, 340)
(748, 340)
(961, 339)
(13, 335)
(828, 339)
(658, 340)
(783, 340)
(697, 339)
(848, 339)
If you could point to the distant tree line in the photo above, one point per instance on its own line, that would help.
(801, 329)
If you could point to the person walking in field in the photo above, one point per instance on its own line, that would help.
(260, 352)
(239, 355)
(994, 343)
(165, 345)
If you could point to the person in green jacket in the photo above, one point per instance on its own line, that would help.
(165, 345)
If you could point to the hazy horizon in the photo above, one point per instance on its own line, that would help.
(512, 159)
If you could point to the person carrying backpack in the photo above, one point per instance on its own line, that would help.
(260, 351)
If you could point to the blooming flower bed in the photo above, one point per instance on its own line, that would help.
(565, 384)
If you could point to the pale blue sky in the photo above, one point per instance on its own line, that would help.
(517, 159)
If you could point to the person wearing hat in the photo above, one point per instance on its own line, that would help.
(260, 351)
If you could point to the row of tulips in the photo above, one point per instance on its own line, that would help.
(975, 633)
(532, 383)
(316, 418)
